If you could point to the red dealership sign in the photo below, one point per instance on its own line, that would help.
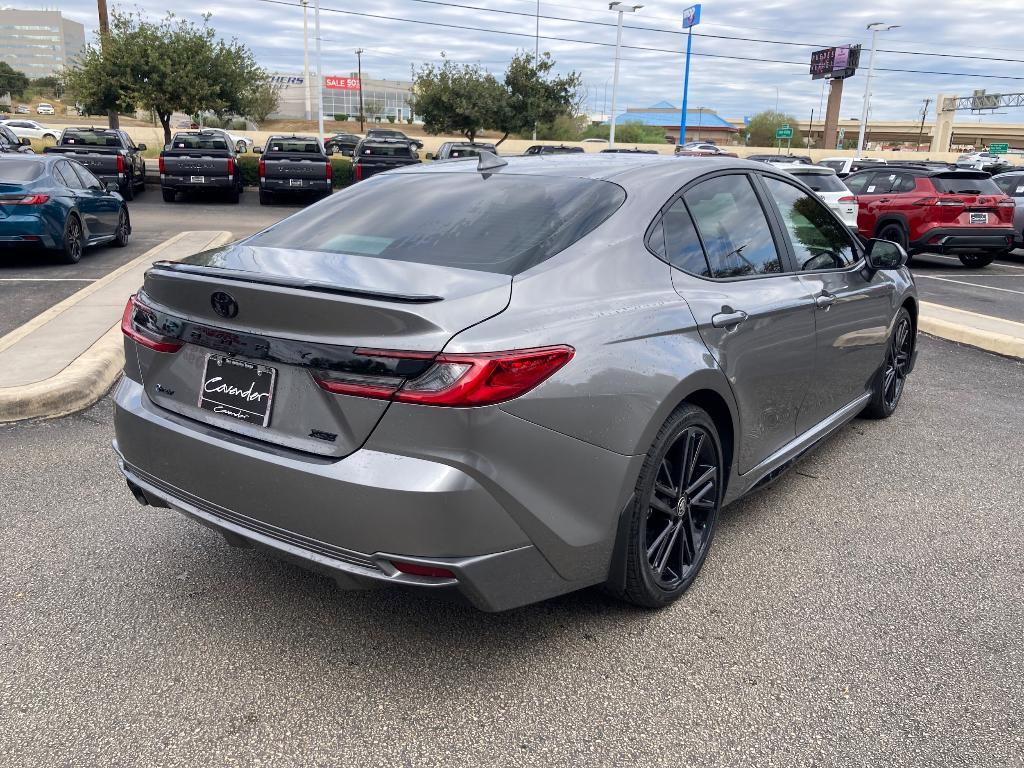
(342, 83)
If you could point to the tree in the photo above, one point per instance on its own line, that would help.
(630, 132)
(261, 102)
(533, 96)
(457, 98)
(49, 85)
(11, 80)
(762, 127)
(168, 66)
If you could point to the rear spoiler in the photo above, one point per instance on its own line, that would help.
(292, 282)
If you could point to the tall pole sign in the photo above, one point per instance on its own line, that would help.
(691, 18)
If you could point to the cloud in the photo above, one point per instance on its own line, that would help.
(732, 86)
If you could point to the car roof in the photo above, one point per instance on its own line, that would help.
(817, 170)
(46, 159)
(291, 136)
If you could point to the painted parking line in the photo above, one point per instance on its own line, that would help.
(954, 258)
(47, 279)
(972, 275)
(972, 285)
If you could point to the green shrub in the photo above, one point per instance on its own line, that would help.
(408, 121)
(391, 118)
(341, 118)
(249, 167)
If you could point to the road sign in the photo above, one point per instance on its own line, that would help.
(785, 132)
(998, 149)
(785, 126)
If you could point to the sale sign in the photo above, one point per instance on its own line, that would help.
(342, 83)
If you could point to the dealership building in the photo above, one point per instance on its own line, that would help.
(381, 98)
(702, 124)
(39, 43)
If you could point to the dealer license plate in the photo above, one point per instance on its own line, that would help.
(244, 391)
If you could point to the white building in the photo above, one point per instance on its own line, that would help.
(39, 43)
(381, 98)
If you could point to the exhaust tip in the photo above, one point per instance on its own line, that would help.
(138, 493)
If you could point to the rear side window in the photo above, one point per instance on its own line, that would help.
(818, 239)
(501, 223)
(17, 171)
(67, 173)
(1011, 185)
(821, 182)
(857, 183)
(733, 226)
(959, 185)
(682, 244)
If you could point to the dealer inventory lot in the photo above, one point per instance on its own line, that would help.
(866, 609)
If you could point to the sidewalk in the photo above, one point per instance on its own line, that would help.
(1004, 337)
(66, 358)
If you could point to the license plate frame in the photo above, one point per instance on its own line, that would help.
(229, 395)
(197, 179)
(294, 182)
(979, 218)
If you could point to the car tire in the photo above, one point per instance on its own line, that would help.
(49, 136)
(128, 191)
(73, 241)
(890, 380)
(124, 229)
(675, 509)
(168, 195)
(234, 195)
(976, 260)
(266, 198)
(894, 233)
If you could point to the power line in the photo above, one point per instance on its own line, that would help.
(464, 27)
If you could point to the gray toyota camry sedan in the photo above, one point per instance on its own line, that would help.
(505, 379)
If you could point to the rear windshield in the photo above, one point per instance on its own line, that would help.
(497, 223)
(966, 186)
(18, 171)
(185, 141)
(386, 150)
(91, 138)
(292, 145)
(821, 182)
(835, 165)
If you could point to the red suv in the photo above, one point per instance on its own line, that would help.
(935, 210)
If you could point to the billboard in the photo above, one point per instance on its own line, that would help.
(341, 83)
(835, 63)
(691, 16)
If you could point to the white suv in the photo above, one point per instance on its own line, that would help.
(44, 109)
(830, 188)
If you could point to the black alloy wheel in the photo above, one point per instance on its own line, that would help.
(976, 260)
(675, 509)
(897, 363)
(894, 233)
(124, 229)
(74, 239)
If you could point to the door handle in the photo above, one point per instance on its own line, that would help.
(728, 319)
(884, 200)
(824, 300)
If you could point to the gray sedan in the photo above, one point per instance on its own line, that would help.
(508, 379)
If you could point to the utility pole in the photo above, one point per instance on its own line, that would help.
(319, 73)
(810, 129)
(619, 8)
(113, 119)
(305, 57)
(359, 65)
(536, 53)
(920, 132)
(874, 28)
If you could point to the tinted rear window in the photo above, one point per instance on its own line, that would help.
(15, 171)
(504, 223)
(821, 182)
(91, 138)
(292, 145)
(966, 186)
(386, 150)
(835, 165)
(199, 142)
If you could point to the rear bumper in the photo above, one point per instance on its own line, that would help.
(27, 230)
(185, 184)
(965, 240)
(352, 517)
(285, 185)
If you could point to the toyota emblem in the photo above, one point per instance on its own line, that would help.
(224, 304)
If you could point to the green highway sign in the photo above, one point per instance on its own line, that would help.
(785, 125)
(785, 132)
(998, 149)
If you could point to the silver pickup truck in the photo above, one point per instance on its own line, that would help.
(198, 160)
(294, 165)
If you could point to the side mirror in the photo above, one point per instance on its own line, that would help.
(140, 147)
(111, 186)
(240, 149)
(429, 155)
(257, 150)
(885, 254)
(25, 142)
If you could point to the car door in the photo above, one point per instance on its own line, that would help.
(99, 207)
(754, 315)
(871, 198)
(852, 306)
(81, 199)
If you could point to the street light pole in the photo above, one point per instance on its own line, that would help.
(536, 53)
(319, 75)
(875, 28)
(113, 118)
(305, 56)
(359, 74)
(618, 6)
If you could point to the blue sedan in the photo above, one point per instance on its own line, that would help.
(51, 202)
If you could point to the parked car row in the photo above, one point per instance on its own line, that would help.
(110, 154)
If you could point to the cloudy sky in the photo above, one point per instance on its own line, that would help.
(978, 47)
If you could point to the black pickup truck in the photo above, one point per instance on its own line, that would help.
(109, 154)
(198, 160)
(373, 156)
(294, 165)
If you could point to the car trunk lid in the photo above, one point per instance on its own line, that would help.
(247, 305)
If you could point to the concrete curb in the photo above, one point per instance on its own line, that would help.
(89, 376)
(1004, 337)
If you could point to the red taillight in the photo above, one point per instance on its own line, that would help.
(941, 202)
(418, 569)
(263, 168)
(231, 166)
(130, 329)
(847, 199)
(460, 380)
(359, 172)
(161, 162)
(330, 170)
(25, 200)
(120, 163)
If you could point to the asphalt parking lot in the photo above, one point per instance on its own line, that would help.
(32, 281)
(996, 290)
(868, 609)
